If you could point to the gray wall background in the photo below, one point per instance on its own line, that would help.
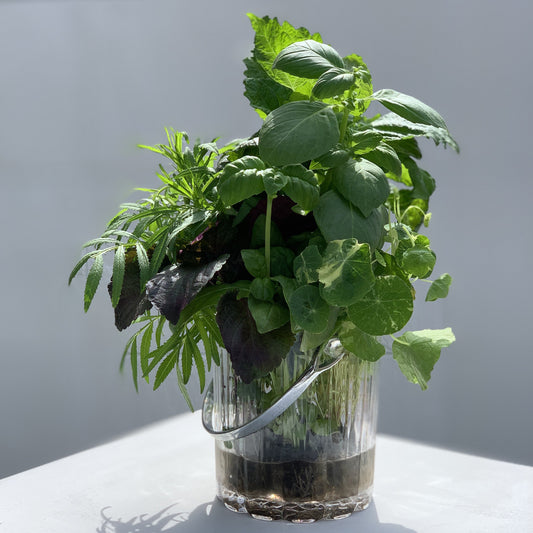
(82, 82)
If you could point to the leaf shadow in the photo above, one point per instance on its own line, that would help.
(213, 517)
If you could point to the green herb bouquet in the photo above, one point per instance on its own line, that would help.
(309, 228)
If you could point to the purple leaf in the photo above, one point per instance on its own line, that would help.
(252, 354)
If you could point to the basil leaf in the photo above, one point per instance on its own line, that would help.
(298, 132)
(409, 108)
(338, 219)
(363, 184)
(268, 316)
(333, 82)
(241, 179)
(302, 186)
(307, 59)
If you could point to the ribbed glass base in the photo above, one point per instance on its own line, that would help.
(275, 508)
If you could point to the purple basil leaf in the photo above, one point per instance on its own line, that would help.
(252, 354)
(175, 286)
(133, 302)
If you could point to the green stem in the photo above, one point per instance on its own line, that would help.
(268, 221)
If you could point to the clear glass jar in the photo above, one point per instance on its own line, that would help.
(315, 460)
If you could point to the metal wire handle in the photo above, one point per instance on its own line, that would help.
(276, 409)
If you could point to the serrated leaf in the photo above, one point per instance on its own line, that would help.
(144, 265)
(439, 288)
(146, 342)
(165, 368)
(173, 288)
(363, 184)
(133, 362)
(297, 132)
(93, 280)
(416, 353)
(308, 59)
(81, 263)
(119, 267)
(346, 272)
(198, 361)
(385, 308)
(362, 345)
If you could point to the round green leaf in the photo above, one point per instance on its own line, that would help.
(297, 132)
(308, 309)
(385, 308)
(359, 343)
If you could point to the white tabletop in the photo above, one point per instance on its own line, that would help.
(161, 479)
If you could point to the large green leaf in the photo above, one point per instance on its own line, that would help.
(385, 308)
(385, 157)
(363, 184)
(346, 272)
(359, 343)
(241, 179)
(416, 352)
(338, 219)
(297, 132)
(308, 59)
(333, 82)
(308, 309)
(409, 108)
(268, 316)
(302, 186)
(395, 128)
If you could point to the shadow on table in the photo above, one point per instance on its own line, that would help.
(214, 517)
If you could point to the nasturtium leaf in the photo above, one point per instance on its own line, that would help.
(416, 352)
(252, 354)
(262, 288)
(359, 343)
(288, 285)
(241, 179)
(418, 261)
(255, 262)
(346, 272)
(308, 59)
(308, 309)
(338, 219)
(175, 286)
(385, 157)
(333, 82)
(281, 261)
(385, 308)
(306, 265)
(362, 183)
(409, 108)
(297, 132)
(301, 186)
(439, 288)
(310, 341)
(267, 315)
